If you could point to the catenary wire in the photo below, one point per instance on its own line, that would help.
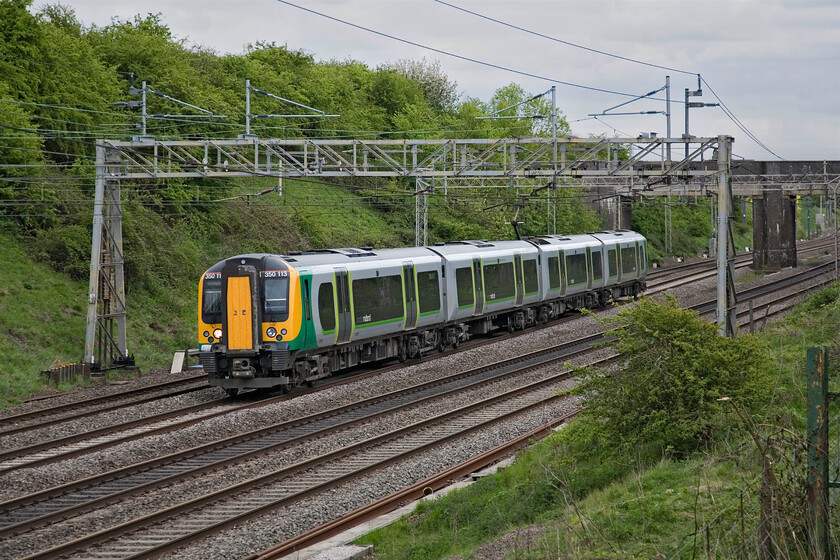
(728, 113)
(458, 56)
(735, 119)
(725, 109)
(596, 51)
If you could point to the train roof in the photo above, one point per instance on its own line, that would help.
(619, 236)
(473, 247)
(572, 241)
(348, 255)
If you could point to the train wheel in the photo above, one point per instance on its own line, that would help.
(232, 392)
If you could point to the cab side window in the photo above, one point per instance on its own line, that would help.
(326, 308)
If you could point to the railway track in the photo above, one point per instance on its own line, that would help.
(39, 519)
(53, 413)
(318, 426)
(52, 510)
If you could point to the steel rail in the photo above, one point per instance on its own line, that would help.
(22, 417)
(412, 493)
(13, 521)
(297, 471)
(50, 451)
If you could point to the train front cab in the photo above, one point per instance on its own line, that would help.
(249, 321)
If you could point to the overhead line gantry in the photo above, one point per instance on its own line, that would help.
(432, 163)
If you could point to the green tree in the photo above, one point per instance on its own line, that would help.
(440, 91)
(20, 42)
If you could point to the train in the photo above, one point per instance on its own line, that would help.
(281, 321)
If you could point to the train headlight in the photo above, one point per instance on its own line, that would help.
(271, 332)
(217, 333)
(283, 332)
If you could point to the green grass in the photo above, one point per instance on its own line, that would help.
(691, 226)
(42, 321)
(43, 308)
(594, 503)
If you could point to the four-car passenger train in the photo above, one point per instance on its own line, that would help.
(284, 320)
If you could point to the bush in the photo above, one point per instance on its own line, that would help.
(67, 249)
(665, 396)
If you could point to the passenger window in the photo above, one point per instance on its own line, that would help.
(276, 294)
(211, 308)
(377, 299)
(597, 266)
(553, 273)
(532, 285)
(498, 282)
(628, 260)
(428, 289)
(464, 284)
(326, 308)
(612, 262)
(576, 269)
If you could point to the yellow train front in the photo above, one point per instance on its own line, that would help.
(249, 322)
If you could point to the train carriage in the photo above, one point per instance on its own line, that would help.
(282, 320)
(487, 279)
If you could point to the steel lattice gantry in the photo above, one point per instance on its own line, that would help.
(451, 164)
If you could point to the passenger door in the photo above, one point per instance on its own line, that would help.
(342, 291)
(562, 255)
(242, 310)
(478, 283)
(410, 296)
(520, 283)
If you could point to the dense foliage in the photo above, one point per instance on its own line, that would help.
(64, 85)
(675, 369)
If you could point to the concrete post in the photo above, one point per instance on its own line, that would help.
(774, 230)
(726, 313)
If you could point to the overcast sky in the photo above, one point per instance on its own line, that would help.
(776, 65)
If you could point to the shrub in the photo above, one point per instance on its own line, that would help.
(675, 368)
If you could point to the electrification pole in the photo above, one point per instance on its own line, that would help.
(105, 335)
(726, 298)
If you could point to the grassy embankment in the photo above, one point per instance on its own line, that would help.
(42, 311)
(586, 502)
